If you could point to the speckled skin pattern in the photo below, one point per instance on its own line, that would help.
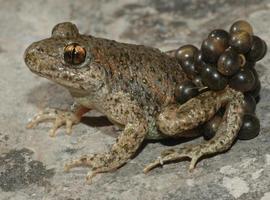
(134, 86)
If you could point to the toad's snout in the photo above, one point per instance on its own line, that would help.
(31, 56)
(36, 58)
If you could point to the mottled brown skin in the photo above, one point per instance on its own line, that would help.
(134, 86)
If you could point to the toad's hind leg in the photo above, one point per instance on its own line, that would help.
(175, 120)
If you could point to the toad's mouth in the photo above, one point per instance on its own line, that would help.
(60, 76)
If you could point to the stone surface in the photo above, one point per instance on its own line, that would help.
(31, 163)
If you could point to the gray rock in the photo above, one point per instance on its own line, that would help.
(31, 163)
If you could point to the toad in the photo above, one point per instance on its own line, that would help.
(134, 86)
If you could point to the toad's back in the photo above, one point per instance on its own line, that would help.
(149, 75)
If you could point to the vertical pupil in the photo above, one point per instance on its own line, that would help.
(73, 54)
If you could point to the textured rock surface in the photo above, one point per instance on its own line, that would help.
(31, 163)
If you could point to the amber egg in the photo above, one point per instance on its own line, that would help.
(186, 91)
(250, 127)
(249, 64)
(186, 52)
(241, 25)
(229, 62)
(241, 41)
(189, 68)
(211, 49)
(210, 128)
(255, 91)
(257, 50)
(243, 81)
(198, 62)
(213, 79)
(249, 104)
(197, 80)
(221, 36)
(256, 76)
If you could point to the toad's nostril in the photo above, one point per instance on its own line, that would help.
(39, 49)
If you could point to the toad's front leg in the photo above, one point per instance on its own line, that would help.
(60, 118)
(127, 112)
(177, 119)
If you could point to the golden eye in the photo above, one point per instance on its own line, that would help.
(74, 54)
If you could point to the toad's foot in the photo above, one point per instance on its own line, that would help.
(59, 117)
(98, 162)
(169, 155)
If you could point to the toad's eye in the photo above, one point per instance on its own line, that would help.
(74, 54)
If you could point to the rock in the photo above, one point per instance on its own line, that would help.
(162, 24)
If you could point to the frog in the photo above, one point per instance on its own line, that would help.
(134, 86)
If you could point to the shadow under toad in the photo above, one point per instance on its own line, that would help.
(49, 95)
(99, 121)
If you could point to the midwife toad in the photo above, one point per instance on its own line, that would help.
(134, 86)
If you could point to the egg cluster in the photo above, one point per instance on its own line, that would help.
(225, 58)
